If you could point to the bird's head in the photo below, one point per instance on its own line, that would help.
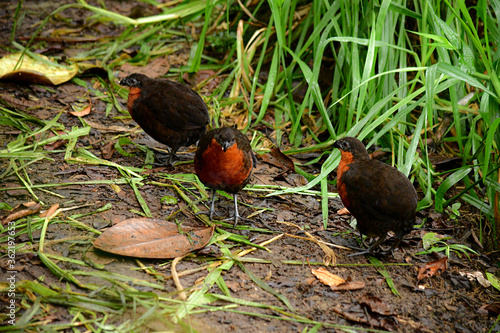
(134, 80)
(352, 146)
(226, 138)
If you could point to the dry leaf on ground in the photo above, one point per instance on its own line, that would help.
(352, 285)
(336, 282)
(50, 211)
(492, 309)
(20, 66)
(377, 305)
(200, 76)
(358, 314)
(343, 211)
(327, 278)
(22, 210)
(154, 69)
(433, 268)
(477, 276)
(81, 113)
(152, 238)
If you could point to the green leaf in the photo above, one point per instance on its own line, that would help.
(495, 282)
(3, 205)
(168, 200)
(432, 238)
(447, 184)
(439, 40)
(452, 71)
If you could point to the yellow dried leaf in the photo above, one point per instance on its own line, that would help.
(42, 70)
(327, 278)
(116, 188)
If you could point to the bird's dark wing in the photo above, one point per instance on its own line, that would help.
(173, 104)
(379, 191)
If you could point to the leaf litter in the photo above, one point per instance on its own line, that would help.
(152, 238)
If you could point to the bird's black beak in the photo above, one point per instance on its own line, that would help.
(336, 144)
(225, 145)
(123, 82)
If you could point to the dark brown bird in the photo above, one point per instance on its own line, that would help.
(170, 112)
(380, 197)
(224, 161)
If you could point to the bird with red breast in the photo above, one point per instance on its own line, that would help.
(170, 112)
(379, 196)
(224, 160)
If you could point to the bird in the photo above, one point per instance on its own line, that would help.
(224, 160)
(170, 112)
(379, 196)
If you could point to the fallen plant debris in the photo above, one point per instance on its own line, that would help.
(327, 277)
(50, 211)
(492, 309)
(377, 305)
(335, 282)
(357, 313)
(82, 113)
(35, 68)
(433, 268)
(152, 238)
(477, 276)
(22, 210)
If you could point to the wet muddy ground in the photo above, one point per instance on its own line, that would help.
(447, 302)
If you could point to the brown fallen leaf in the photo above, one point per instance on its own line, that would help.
(22, 210)
(492, 309)
(111, 128)
(327, 278)
(276, 158)
(195, 79)
(433, 268)
(376, 305)
(50, 211)
(81, 113)
(358, 315)
(352, 285)
(286, 161)
(343, 211)
(52, 145)
(154, 69)
(152, 238)
(108, 149)
(330, 257)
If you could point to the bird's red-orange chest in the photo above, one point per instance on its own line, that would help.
(224, 167)
(346, 159)
(133, 94)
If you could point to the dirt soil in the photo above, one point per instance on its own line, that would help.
(447, 302)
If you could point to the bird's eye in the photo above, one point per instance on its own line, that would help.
(134, 82)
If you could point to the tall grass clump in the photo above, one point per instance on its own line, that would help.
(418, 78)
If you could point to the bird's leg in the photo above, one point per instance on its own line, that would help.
(161, 161)
(371, 248)
(212, 208)
(171, 156)
(236, 215)
(391, 250)
(362, 241)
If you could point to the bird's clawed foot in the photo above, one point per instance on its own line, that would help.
(371, 248)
